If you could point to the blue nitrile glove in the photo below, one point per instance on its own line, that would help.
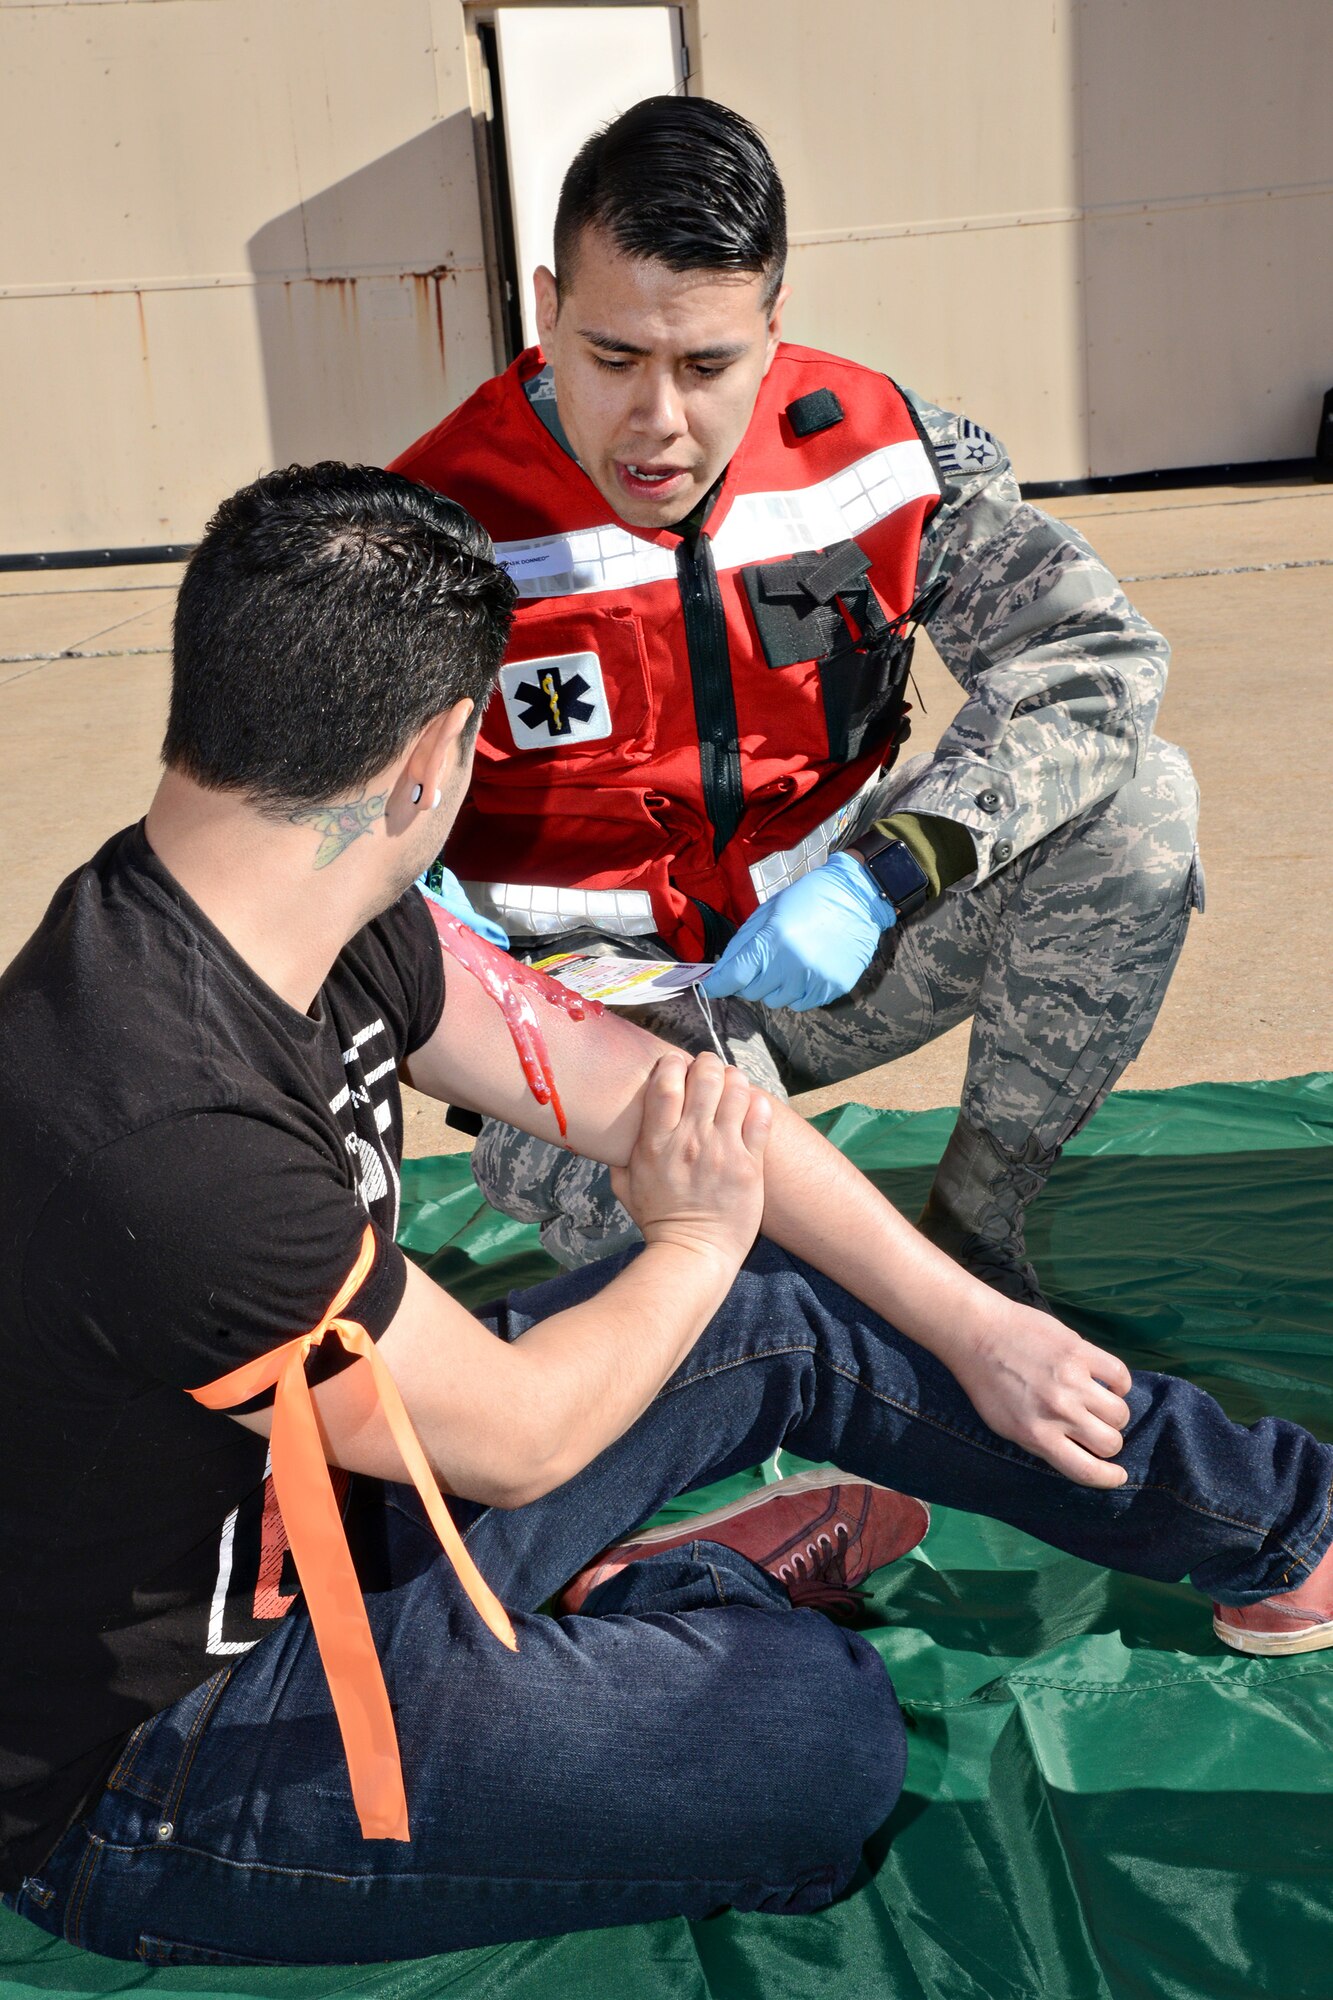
(440, 885)
(808, 944)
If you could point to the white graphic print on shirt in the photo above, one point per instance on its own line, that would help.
(378, 1174)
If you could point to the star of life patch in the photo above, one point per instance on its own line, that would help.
(971, 452)
(555, 701)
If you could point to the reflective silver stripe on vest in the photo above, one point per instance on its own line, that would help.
(776, 871)
(531, 909)
(760, 527)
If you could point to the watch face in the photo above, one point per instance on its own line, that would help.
(900, 876)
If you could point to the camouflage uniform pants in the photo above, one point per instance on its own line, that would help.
(1060, 959)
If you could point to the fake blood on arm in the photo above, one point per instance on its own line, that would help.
(510, 984)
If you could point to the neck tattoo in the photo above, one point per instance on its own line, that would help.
(339, 826)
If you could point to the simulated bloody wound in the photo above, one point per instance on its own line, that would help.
(509, 984)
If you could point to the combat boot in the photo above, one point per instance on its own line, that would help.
(975, 1210)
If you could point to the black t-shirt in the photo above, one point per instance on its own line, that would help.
(187, 1169)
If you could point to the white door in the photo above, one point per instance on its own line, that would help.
(564, 71)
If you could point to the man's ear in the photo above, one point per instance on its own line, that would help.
(775, 326)
(548, 302)
(434, 757)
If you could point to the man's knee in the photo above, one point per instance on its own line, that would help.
(1152, 822)
(517, 1173)
(775, 1736)
(838, 1777)
(569, 1198)
(857, 1784)
(1129, 859)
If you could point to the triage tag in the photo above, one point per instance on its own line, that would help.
(620, 982)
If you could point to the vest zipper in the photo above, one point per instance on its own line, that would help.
(714, 696)
(718, 930)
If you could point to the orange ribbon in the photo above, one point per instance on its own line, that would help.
(323, 1560)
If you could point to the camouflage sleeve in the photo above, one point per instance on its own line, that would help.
(1062, 675)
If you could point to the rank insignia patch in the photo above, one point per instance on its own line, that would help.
(971, 451)
(555, 701)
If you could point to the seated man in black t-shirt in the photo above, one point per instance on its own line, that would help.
(202, 1044)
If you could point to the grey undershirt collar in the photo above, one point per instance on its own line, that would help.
(540, 392)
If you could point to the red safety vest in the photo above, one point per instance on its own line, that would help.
(682, 727)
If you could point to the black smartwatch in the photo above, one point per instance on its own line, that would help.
(901, 879)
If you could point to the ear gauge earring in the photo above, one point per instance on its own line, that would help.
(434, 804)
(416, 795)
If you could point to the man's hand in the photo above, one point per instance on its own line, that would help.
(1043, 1387)
(810, 943)
(695, 1176)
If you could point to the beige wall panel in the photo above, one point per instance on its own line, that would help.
(258, 239)
(1206, 326)
(162, 402)
(885, 111)
(1182, 96)
(146, 408)
(223, 158)
(183, 128)
(1208, 280)
(912, 306)
(1210, 333)
(919, 147)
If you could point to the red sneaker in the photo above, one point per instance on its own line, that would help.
(818, 1534)
(1299, 1621)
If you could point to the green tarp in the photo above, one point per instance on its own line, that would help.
(1101, 1803)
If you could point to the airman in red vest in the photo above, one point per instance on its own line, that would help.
(723, 545)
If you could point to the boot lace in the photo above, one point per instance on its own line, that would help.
(815, 1576)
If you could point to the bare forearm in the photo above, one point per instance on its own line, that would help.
(817, 1205)
(823, 1210)
(505, 1421)
(1032, 1380)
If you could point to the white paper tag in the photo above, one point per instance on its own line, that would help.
(549, 556)
(620, 982)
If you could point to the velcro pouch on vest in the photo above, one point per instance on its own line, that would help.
(818, 411)
(796, 621)
(862, 658)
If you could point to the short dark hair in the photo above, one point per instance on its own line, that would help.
(329, 613)
(681, 179)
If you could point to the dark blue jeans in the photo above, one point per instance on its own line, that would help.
(690, 1741)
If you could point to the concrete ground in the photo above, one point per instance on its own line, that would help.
(1239, 578)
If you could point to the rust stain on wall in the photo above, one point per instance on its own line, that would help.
(346, 293)
(150, 404)
(428, 301)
